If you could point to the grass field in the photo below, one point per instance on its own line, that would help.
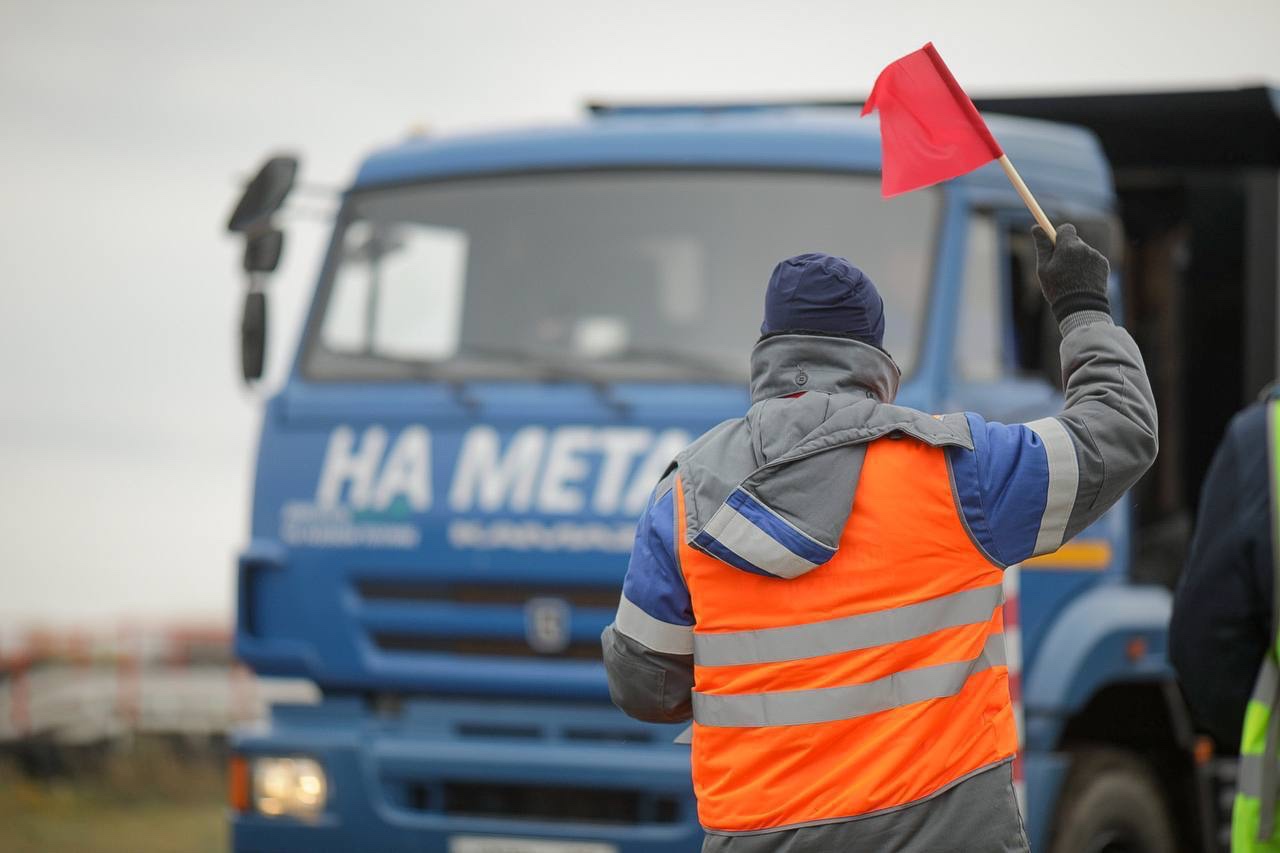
(141, 800)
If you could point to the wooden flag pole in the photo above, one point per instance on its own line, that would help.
(1027, 198)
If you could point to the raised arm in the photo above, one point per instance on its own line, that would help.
(1026, 488)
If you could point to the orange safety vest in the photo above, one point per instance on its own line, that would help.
(873, 681)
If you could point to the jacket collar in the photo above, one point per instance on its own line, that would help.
(789, 364)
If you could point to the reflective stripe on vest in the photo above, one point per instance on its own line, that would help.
(874, 681)
(1254, 814)
(826, 704)
(852, 632)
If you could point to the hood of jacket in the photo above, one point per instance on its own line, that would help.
(771, 492)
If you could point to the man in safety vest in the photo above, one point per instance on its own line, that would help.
(1225, 636)
(818, 583)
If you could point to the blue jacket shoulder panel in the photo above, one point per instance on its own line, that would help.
(1002, 487)
(654, 582)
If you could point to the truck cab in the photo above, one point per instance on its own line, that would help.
(512, 335)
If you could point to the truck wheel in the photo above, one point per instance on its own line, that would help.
(1111, 803)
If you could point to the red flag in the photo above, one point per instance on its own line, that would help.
(929, 129)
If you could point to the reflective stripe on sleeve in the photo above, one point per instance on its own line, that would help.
(1265, 687)
(1064, 481)
(864, 631)
(653, 633)
(824, 705)
(734, 531)
(1249, 780)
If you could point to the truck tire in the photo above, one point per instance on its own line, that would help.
(1112, 803)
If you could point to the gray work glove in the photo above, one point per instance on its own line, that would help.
(1073, 274)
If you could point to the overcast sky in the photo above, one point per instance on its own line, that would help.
(126, 440)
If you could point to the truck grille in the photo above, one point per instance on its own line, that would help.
(486, 619)
(551, 803)
(474, 593)
(491, 647)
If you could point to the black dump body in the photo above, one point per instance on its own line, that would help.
(1198, 177)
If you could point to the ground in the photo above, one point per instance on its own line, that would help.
(133, 800)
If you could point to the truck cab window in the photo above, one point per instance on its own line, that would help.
(1035, 333)
(1014, 335)
(397, 292)
(980, 344)
(637, 276)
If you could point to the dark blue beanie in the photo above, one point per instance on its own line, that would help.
(823, 293)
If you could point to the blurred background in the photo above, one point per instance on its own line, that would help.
(126, 437)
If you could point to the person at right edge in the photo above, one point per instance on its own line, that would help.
(1226, 619)
(818, 583)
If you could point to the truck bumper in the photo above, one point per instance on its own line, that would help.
(439, 776)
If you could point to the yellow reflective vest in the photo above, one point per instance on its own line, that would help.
(1254, 816)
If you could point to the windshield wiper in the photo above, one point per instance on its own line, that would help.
(543, 365)
(699, 365)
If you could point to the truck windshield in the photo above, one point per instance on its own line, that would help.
(600, 275)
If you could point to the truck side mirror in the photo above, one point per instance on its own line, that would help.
(262, 251)
(253, 335)
(264, 195)
(263, 245)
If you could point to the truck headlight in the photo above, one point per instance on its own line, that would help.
(289, 786)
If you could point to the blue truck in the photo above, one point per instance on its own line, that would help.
(511, 336)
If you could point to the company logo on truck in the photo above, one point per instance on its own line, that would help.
(547, 623)
(525, 491)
